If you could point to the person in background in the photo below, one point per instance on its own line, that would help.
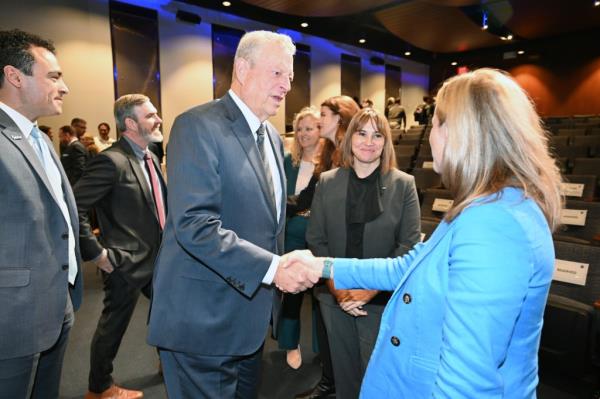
(336, 113)
(40, 269)
(299, 166)
(397, 115)
(90, 145)
(366, 103)
(124, 185)
(74, 155)
(48, 131)
(466, 315)
(103, 141)
(79, 127)
(365, 209)
(390, 101)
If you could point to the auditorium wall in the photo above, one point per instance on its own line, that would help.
(81, 32)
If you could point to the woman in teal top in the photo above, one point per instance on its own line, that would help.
(466, 314)
(299, 166)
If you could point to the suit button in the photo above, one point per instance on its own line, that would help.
(395, 341)
(65, 236)
(407, 298)
(65, 267)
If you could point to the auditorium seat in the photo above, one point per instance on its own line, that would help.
(580, 222)
(569, 339)
(428, 226)
(435, 203)
(581, 187)
(592, 142)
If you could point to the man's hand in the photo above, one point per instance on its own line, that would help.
(103, 263)
(293, 276)
(305, 258)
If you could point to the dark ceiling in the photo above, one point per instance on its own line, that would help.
(426, 28)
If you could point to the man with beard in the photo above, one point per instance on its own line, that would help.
(125, 186)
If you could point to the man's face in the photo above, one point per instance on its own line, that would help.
(63, 138)
(148, 123)
(42, 93)
(266, 81)
(103, 131)
(80, 128)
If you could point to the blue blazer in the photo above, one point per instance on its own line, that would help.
(466, 314)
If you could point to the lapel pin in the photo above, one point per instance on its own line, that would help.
(16, 137)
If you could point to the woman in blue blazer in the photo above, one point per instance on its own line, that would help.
(465, 317)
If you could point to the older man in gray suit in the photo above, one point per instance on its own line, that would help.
(40, 283)
(213, 282)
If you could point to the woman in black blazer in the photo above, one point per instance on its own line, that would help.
(365, 209)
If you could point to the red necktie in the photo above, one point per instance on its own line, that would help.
(156, 193)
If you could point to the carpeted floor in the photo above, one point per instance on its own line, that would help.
(136, 364)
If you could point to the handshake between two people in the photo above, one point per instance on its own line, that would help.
(298, 271)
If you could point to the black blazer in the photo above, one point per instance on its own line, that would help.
(115, 185)
(73, 158)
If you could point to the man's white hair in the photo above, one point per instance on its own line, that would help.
(252, 42)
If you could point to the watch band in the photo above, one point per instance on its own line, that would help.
(327, 264)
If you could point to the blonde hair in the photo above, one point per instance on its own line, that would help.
(296, 150)
(364, 116)
(495, 139)
(346, 108)
(252, 42)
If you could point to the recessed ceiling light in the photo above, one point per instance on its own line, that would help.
(304, 24)
(484, 27)
(454, 63)
(520, 52)
(596, 3)
(226, 3)
(361, 41)
(509, 37)
(407, 53)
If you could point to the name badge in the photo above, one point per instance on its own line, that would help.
(570, 272)
(573, 217)
(442, 205)
(572, 189)
(428, 165)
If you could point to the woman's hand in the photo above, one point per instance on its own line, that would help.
(354, 308)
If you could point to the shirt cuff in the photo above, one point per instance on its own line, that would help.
(97, 258)
(268, 278)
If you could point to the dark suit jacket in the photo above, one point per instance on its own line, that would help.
(34, 253)
(114, 184)
(73, 158)
(219, 239)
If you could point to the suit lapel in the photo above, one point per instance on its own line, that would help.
(241, 131)
(139, 174)
(14, 135)
(278, 152)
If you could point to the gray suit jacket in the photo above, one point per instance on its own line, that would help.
(114, 184)
(391, 234)
(34, 254)
(220, 237)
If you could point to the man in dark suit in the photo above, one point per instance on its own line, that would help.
(74, 155)
(40, 283)
(125, 186)
(213, 296)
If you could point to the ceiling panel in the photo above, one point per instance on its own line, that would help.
(536, 19)
(324, 8)
(435, 28)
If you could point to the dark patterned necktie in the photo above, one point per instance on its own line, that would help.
(260, 141)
